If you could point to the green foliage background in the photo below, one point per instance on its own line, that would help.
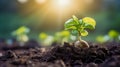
(106, 14)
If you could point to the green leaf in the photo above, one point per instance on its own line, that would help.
(113, 34)
(70, 25)
(23, 38)
(75, 19)
(21, 30)
(90, 21)
(78, 26)
(71, 28)
(80, 22)
(100, 39)
(43, 36)
(84, 33)
(89, 26)
(74, 32)
(65, 33)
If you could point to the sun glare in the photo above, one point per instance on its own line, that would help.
(63, 2)
(40, 1)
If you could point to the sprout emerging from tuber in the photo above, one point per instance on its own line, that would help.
(78, 28)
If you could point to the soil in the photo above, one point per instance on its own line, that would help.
(98, 55)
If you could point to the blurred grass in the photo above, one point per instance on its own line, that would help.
(11, 18)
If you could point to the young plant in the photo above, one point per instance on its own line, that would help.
(21, 34)
(78, 28)
(102, 39)
(62, 36)
(46, 40)
(112, 35)
(59, 37)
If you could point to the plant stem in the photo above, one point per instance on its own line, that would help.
(79, 36)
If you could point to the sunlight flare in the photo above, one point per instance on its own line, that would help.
(40, 1)
(63, 2)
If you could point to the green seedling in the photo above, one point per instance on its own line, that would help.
(78, 28)
(21, 34)
(62, 36)
(111, 36)
(46, 40)
(114, 35)
(102, 39)
(59, 37)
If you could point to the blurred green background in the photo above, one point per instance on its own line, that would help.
(49, 15)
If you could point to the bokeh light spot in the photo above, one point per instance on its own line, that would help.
(22, 1)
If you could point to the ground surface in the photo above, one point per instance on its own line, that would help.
(62, 56)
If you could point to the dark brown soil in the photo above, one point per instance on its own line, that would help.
(63, 56)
